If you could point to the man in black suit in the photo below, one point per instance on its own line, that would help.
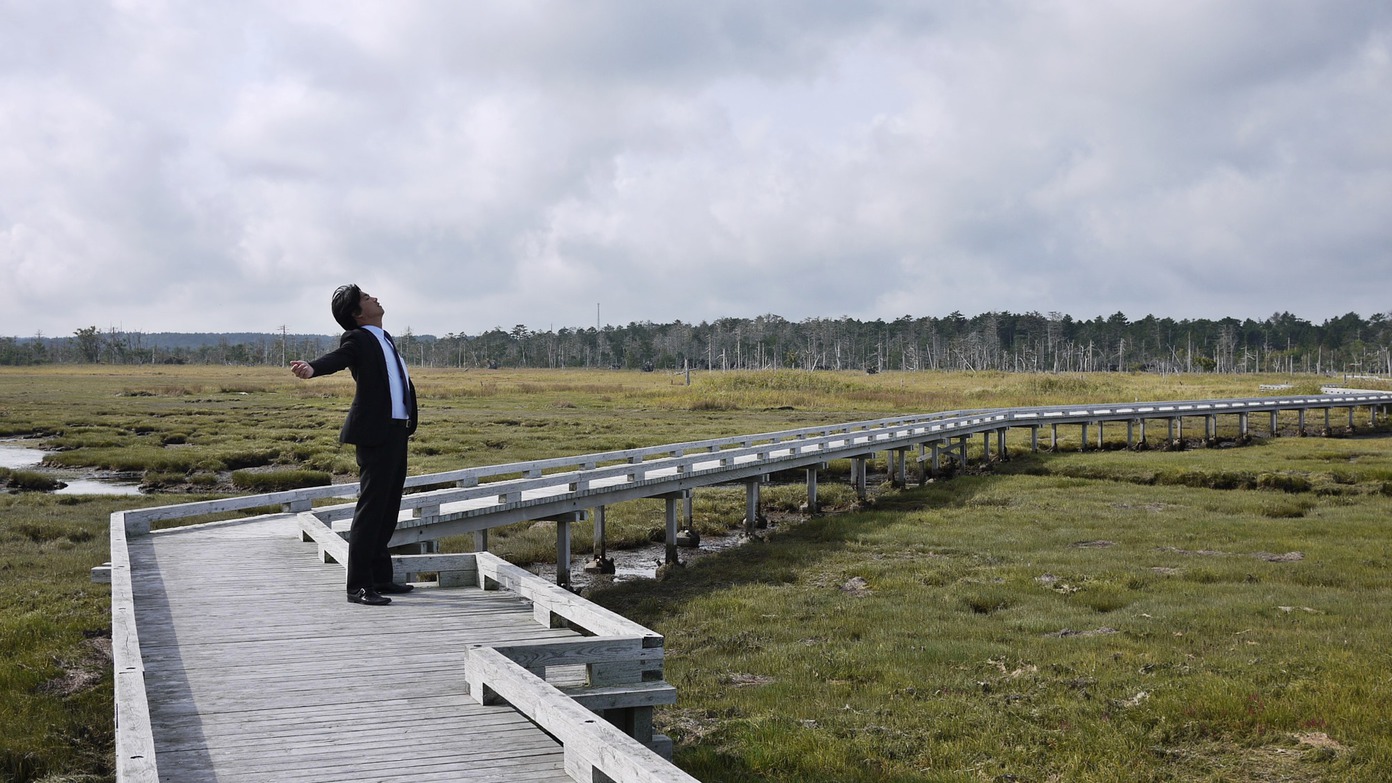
(381, 418)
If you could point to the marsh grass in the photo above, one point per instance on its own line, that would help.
(1099, 631)
(1204, 614)
(28, 480)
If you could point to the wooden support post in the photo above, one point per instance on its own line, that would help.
(985, 447)
(1326, 419)
(1053, 442)
(751, 500)
(858, 476)
(1130, 433)
(902, 469)
(922, 466)
(480, 540)
(937, 457)
(1210, 428)
(1101, 426)
(1242, 426)
(600, 544)
(1350, 411)
(1300, 427)
(1000, 444)
(1034, 438)
(963, 448)
(1083, 445)
(600, 563)
(812, 489)
(671, 519)
(1273, 423)
(1143, 432)
(1170, 430)
(563, 550)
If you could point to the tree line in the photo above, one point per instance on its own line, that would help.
(1026, 342)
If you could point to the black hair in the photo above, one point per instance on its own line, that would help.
(345, 306)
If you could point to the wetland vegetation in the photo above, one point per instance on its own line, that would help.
(1204, 614)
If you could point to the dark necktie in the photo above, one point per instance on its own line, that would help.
(400, 363)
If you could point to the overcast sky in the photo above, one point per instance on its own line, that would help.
(222, 166)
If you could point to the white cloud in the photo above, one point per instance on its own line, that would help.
(222, 166)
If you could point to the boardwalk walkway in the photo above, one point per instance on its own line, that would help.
(237, 657)
(257, 669)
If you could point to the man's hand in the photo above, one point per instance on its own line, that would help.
(301, 369)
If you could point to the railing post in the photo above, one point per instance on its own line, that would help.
(297, 505)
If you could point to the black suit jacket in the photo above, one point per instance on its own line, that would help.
(369, 417)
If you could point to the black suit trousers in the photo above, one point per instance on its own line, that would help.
(382, 474)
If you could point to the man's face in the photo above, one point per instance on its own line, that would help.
(368, 307)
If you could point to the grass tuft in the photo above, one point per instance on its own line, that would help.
(279, 480)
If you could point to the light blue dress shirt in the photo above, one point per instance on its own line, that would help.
(397, 377)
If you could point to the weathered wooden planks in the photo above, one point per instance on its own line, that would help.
(257, 668)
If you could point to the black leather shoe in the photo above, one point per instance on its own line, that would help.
(369, 597)
(394, 588)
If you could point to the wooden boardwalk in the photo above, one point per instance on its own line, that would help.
(258, 669)
(237, 656)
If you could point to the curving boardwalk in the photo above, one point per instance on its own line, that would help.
(237, 657)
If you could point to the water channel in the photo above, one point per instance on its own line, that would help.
(20, 455)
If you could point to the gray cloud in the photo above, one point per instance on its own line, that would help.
(222, 166)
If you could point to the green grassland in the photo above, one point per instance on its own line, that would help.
(1211, 614)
